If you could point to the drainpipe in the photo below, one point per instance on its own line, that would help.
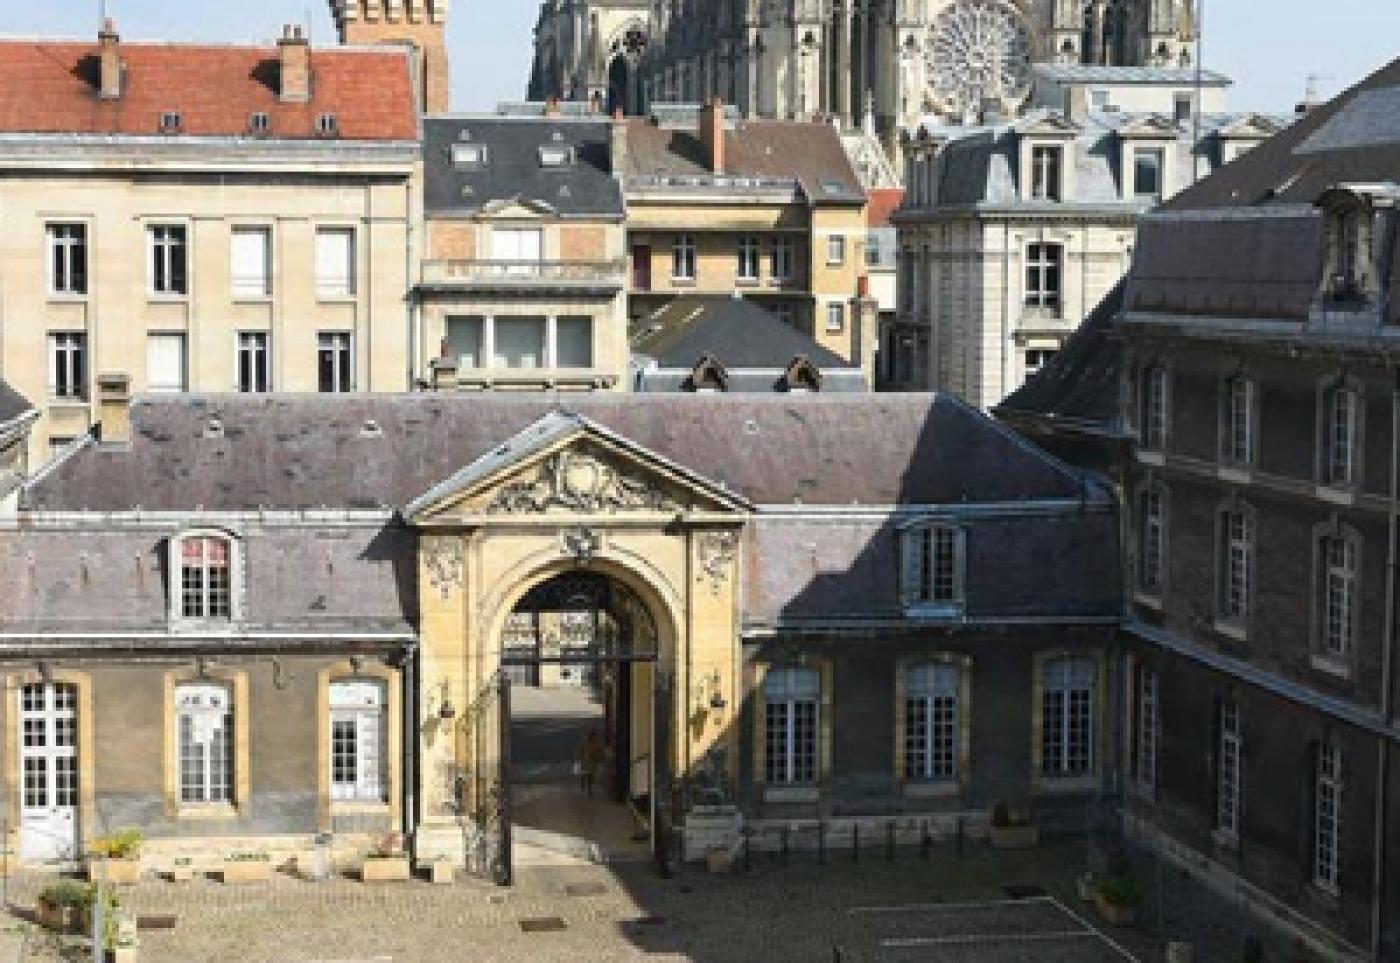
(1378, 876)
(411, 301)
(1005, 350)
(410, 742)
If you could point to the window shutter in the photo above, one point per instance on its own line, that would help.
(334, 251)
(249, 262)
(912, 569)
(960, 565)
(165, 363)
(760, 724)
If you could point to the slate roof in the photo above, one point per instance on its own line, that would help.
(12, 403)
(312, 451)
(50, 87)
(812, 153)
(1099, 74)
(585, 188)
(734, 331)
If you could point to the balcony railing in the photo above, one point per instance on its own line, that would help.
(525, 273)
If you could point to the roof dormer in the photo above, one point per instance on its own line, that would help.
(1046, 155)
(1356, 218)
(1147, 146)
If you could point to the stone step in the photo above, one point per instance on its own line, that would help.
(529, 843)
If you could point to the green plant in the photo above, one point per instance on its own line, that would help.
(387, 846)
(124, 844)
(184, 861)
(1124, 891)
(67, 893)
(249, 856)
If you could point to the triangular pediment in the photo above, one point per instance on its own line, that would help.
(1251, 127)
(1149, 126)
(568, 465)
(1046, 124)
(517, 209)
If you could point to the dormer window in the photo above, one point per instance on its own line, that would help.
(258, 123)
(934, 566)
(468, 156)
(1148, 163)
(327, 125)
(202, 564)
(1350, 236)
(1046, 177)
(556, 157)
(171, 122)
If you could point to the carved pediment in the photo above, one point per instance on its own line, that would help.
(578, 480)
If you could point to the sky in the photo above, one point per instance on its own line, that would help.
(1270, 47)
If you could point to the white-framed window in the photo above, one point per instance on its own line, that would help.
(169, 259)
(1339, 438)
(1235, 566)
(250, 262)
(205, 567)
(932, 725)
(1327, 828)
(520, 342)
(836, 249)
(359, 738)
(835, 318)
(934, 566)
(254, 362)
(1152, 539)
(1229, 771)
(1067, 717)
(469, 156)
(749, 255)
(1044, 276)
(784, 258)
(1046, 183)
(792, 699)
(1237, 436)
(1148, 709)
(683, 257)
(1148, 166)
(166, 369)
(1038, 358)
(1337, 622)
(1154, 405)
(68, 258)
(519, 248)
(204, 719)
(335, 362)
(68, 364)
(335, 262)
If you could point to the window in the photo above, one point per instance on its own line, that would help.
(835, 318)
(1147, 722)
(1043, 274)
(67, 258)
(1067, 718)
(748, 258)
(933, 565)
(258, 122)
(206, 583)
(522, 247)
(1152, 540)
(334, 362)
(836, 249)
(1038, 358)
(1229, 785)
(520, 342)
(68, 365)
(358, 740)
(327, 125)
(573, 342)
(1339, 438)
(165, 363)
(1337, 622)
(784, 257)
(1185, 108)
(932, 740)
(254, 362)
(171, 122)
(1237, 438)
(250, 259)
(1236, 562)
(466, 341)
(1327, 805)
(1350, 232)
(169, 260)
(1147, 173)
(1154, 408)
(1045, 173)
(790, 726)
(204, 716)
(556, 156)
(468, 155)
(335, 263)
(683, 258)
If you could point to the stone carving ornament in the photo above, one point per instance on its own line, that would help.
(580, 482)
(978, 51)
(717, 551)
(445, 563)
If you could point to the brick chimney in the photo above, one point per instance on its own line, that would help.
(294, 66)
(114, 409)
(551, 106)
(712, 134)
(110, 61)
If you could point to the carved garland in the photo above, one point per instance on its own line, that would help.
(717, 552)
(582, 483)
(444, 560)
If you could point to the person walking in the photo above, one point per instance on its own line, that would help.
(590, 757)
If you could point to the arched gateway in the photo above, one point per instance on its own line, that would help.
(571, 555)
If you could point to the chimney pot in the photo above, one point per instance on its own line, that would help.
(712, 134)
(294, 67)
(114, 408)
(109, 80)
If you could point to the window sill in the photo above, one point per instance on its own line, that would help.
(180, 626)
(252, 299)
(1231, 630)
(747, 282)
(68, 401)
(349, 806)
(1055, 785)
(683, 282)
(931, 790)
(156, 297)
(1335, 495)
(214, 812)
(60, 297)
(1226, 841)
(1147, 601)
(1335, 667)
(1235, 474)
(1151, 457)
(926, 610)
(350, 298)
(791, 794)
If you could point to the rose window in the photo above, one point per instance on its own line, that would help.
(978, 50)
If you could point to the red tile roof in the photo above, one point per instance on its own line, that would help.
(50, 87)
(884, 201)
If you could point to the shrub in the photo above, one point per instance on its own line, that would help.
(124, 844)
(387, 846)
(1121, 891)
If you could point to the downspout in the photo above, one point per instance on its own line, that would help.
(1005, 306)
(410, 285)
(1379, 875)
(409, 746)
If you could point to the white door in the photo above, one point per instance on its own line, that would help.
(48, 754)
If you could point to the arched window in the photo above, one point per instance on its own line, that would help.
(202, 566)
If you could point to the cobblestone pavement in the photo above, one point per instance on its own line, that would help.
(871, 910)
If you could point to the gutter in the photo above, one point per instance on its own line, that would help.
(1379, 870)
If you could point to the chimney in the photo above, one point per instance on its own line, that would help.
(712, 134)
(110, 61)
(617, 145)
(551, 106)
(294, 67)
(114, 409)
(1077, 104)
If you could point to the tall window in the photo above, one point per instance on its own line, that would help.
(1339, 439)
(573, 342)
(1147, 173)
(520, 342)
(1045, 173)
(358, 740)
(68, 364)
(250, 262)
(206, 583)
(204, 714)
(1235, 566)
(836, 249)
(1237, 439)
(934, 565)
(931, 722)
(1327, 806)
(1043, 276)
(67, 258)
(784, 257)
(520, 248)
(835, 318)
(1152, 539)
(747, 269)
(791, 699)
(1067, 718)
(254, 362)
(335, 263)
(1338, 602)
(165, 363)
(1154, 401)
(334, 364)
(683, 258)
(1147, 722)
(169, 260)
(1229, 779)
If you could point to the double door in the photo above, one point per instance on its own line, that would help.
(48, 758)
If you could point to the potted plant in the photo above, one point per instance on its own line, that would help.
(248, 866)
(1012, 828)
(182, 869)
(64, 906)
(386, 861)
(116, 858)
(1118, 899)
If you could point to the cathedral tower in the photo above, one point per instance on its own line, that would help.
(421, 24)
